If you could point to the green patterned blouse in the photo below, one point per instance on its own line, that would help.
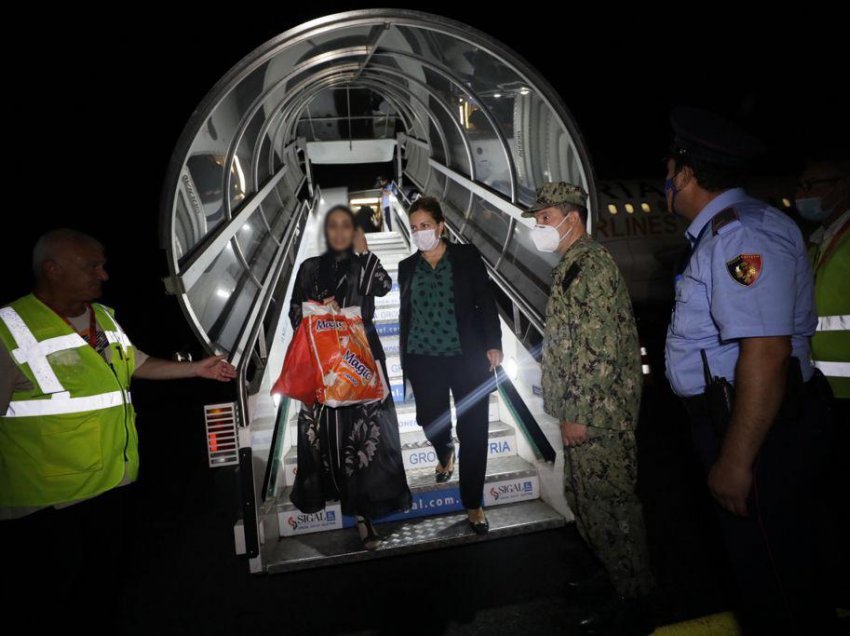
(433, 326)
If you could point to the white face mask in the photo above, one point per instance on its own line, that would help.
(546, 237)
(426, 240)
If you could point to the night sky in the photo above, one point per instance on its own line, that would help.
(97, 110)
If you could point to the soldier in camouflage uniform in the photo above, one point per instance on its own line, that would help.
(592, 384)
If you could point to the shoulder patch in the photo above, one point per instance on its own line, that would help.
(745, 269)
(722, 219)
(570, 276)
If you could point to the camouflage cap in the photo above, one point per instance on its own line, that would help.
(555, 193)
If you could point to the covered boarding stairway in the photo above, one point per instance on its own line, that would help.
(457, 116)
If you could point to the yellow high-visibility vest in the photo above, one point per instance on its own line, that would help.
(831, 342)
(69, 436)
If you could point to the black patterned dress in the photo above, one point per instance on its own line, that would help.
(351, 453)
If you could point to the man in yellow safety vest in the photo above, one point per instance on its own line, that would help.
(67, 426)
(823, 197)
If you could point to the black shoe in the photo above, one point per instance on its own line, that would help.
(443, 477)
(368, 535)
(620, 617)
(479, 527)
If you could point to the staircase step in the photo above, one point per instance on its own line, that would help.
(500, 444)
(406, 414)
(416, 437)
(509, 479)
(404, 537)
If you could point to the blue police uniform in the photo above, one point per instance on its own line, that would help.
(748, 276)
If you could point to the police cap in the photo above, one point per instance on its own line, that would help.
(709, 137)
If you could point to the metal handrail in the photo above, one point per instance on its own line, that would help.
(274, 461)
(525, 420)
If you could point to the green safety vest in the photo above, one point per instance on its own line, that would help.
(70, 436)
(831, 342)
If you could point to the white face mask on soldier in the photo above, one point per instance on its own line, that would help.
(546, 237)
(426, 240)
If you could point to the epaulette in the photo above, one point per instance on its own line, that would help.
(722, 219)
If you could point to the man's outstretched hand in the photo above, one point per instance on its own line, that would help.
(215, 368)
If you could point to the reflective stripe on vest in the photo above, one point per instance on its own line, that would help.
(62, 404)
(34, 353)
(118, 336)
(834, 323)
(833, 369)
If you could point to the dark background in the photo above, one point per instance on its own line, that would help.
(95, 102)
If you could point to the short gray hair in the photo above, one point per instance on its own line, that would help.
(48, 244)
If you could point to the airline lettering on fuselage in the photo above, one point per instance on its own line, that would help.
(634, 225)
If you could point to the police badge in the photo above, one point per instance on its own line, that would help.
(745, 268)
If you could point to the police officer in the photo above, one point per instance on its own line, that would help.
(743, 316)
(592, 385)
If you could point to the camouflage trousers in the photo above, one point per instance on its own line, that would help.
(599, 482)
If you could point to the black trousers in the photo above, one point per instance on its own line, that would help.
(778, 551)
(389, 219)
(432, 379)
(65, 568)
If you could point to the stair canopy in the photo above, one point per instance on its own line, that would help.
(466, 119)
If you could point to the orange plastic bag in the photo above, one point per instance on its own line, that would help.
(343, 357)
(300, 378)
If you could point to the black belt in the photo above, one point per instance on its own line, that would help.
(795, 390)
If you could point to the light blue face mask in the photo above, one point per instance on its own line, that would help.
(811, 210)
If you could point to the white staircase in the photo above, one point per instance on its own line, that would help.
(437, 517)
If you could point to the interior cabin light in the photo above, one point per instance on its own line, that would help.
(222, 293)
(786, 203)
(497, 95)
(612, 208)
(524, 91)
(645, 207)
(629, 208)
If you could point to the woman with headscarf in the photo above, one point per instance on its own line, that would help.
(351, 453)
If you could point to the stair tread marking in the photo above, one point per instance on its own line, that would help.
(413, 535)
(413, 439)
(422, 479)
(496, 430)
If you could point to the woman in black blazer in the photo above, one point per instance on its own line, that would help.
(451, 341)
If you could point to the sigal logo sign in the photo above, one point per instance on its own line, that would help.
(295, 522)
(512, 490)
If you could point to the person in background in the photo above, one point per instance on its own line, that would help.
(450, 343)
(350, 453)
(738, 354)
(592, 384)
(823, 197)
(68, 441)
(368, 219)
(386, 190)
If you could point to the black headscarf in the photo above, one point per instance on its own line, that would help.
(334, 266)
